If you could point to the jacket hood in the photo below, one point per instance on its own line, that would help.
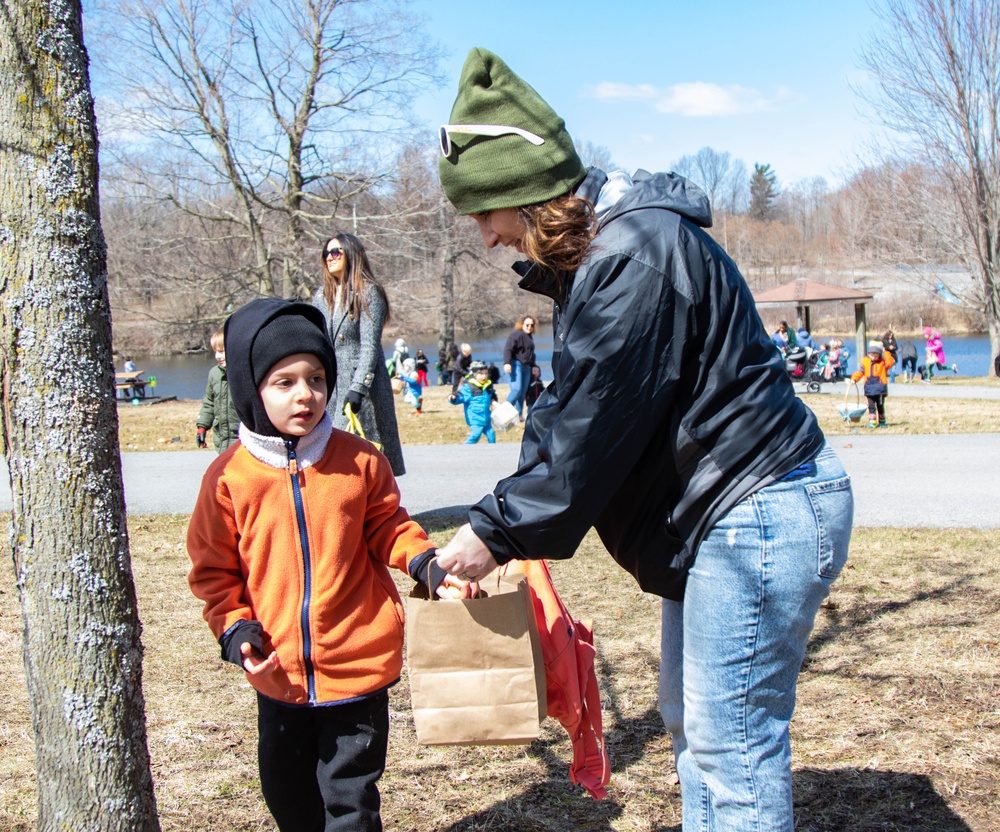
(614, 196)
(241, 331)
(657, 190)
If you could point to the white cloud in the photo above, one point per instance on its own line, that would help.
(695, 99)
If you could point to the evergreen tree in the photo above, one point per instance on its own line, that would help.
(763, 192)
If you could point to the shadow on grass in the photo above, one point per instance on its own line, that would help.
(439, 519)
(840, 622)
(839, 800)
(842, 800)
(856, 800)
(557, 803)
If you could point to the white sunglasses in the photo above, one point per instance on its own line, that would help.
(444, 134)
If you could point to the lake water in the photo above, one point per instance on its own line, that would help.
(184, 376)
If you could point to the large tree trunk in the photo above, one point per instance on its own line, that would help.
(82, 654)
(446, 257)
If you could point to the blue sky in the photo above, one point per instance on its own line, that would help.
(653, 80)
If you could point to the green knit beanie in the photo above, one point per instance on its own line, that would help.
(486, 173)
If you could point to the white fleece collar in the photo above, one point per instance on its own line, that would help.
(271, 449)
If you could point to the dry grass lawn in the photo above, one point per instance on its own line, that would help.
(896, 728)
(170, 426)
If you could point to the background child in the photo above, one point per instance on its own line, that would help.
(413, 389)
(217, 411)
(535, 386)
(422, 364)
(875, 371)
(478, 395)
(463, 365)
(290, 542)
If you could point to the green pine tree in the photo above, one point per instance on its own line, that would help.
(763, 191)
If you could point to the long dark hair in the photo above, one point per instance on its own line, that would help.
(359, 270)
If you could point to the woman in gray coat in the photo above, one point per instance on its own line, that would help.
(356, 309)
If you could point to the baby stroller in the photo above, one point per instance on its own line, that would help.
(796, 363)
(815, 374)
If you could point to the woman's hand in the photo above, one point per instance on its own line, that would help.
(354, 400)
(466, 557)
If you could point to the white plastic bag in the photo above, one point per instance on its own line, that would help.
(504, 416)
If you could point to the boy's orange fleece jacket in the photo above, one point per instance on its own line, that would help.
(333, 613)
(875, 369)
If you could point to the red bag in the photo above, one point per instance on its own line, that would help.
(572, 694)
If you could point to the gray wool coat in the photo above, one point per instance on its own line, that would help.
(361, 367)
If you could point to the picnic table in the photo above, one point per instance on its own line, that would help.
(130, 385)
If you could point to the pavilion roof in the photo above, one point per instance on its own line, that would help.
(801, 291)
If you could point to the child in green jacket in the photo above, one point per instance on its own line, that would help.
(217, 411)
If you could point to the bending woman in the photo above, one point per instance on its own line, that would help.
(671, 427)
(356, 309)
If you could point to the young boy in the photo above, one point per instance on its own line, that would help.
(535, 386)
(875, 371)
(478, 395)
(217, 411)
(290, 542)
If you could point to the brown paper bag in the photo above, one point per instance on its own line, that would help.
(476, 671)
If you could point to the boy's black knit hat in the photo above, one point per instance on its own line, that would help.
(258, 336)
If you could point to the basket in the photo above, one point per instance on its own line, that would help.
(397, 384)
(852, 412)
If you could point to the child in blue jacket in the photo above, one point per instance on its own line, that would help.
(478, 395)
(413, 390)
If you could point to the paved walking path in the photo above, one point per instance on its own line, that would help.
(916, 390)
(894, 476)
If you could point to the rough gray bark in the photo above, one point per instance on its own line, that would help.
(82, 654)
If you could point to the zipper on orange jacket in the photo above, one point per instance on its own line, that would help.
(300, 517)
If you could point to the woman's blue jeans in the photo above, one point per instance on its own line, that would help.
(731, 651)
(520, 375)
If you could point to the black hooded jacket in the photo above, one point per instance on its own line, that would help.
(670, 404)
(242, 330)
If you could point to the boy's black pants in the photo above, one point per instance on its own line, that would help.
(319, 767)
(876, 408)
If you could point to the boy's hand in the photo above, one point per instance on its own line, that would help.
(201, 438)
(255, 664)
(453, 589)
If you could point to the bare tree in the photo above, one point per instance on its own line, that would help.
(68, 537)
(735, 189)
(936, 67)
(263, 115)
(433, 259)
(595, 154)
(712, 171)
(803, 204)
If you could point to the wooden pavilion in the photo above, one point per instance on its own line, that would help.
(801, 293)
